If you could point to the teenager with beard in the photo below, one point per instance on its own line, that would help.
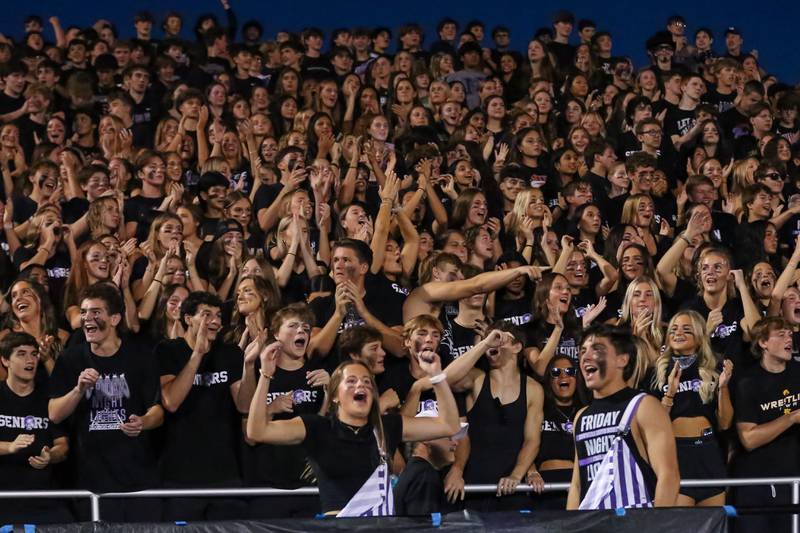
(767, 417)
(500, 401)
(622, 431)
(204, 382)
(29, 443)
(354, 442)
(109, 388)
(297, 389)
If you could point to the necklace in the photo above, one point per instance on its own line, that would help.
(567, 425)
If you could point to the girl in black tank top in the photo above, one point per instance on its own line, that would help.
(561, 402)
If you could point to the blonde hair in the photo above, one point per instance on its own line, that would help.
(654, 333)
(520, 209)
(706, 360)
(631, 207)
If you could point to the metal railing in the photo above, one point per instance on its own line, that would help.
(312, 491)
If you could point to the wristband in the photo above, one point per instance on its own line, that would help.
(438, 378)
(158, 281)
(528, 246)
(682, 236)
(265, 375)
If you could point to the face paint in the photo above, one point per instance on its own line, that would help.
(601, 365)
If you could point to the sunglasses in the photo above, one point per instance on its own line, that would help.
(569, 372)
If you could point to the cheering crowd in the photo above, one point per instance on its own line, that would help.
(275, 261)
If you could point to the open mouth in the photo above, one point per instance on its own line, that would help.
(22, 307)
(589, 370)
(492, 352)
(300, 342)
(563, 384)
(90, 329)
(765, 284)
(360, 397)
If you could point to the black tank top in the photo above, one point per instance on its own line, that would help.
(594, 434)
(556, 440)
(496, 434)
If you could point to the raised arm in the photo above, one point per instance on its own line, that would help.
(260, 426)
(446, 423)
(450, 291)
(175, 389)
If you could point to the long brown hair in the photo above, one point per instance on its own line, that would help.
(332, 403)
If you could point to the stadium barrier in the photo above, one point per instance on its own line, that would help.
(473, 489)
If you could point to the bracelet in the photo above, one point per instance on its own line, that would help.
(291, 253)
(528, 246)
(45, 248)
(666, 404)
(265, 375)
(438, 378)
(158, 281)
(670, 397)
(682, 236)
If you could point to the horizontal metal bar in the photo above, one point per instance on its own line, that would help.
(46, 494)
(310, 491)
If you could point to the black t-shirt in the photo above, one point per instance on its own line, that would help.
(142, 211)
(722, 102)
(563, 52)
(463, 340)
(726, 339)
(344, 457)
(25, 415)
(517, 312)
(420, 489)
(734, 124)
(24, 209)
(107, 459)
(9, 104)
(761, 397)
(283, 466)
(397, 377)
(678, 122)
(202, 435)
(74, 209)
(380, 299)
(538, 332)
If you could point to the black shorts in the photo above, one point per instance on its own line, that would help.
(700, 458)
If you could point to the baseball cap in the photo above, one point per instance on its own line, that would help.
(732, 29)
(227, 226)
(431, 410)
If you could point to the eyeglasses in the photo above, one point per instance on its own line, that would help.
(569, 372)
(774, 175)
(654, 133)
